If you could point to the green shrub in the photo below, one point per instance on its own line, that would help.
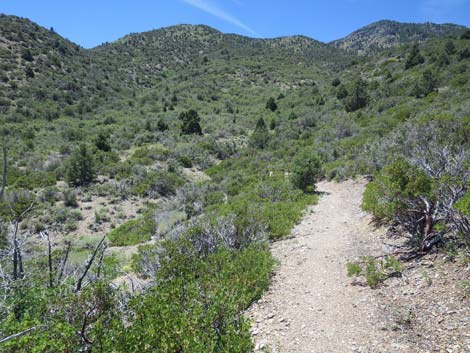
(70, 198)
(306, 170)
(34, 180)
(375, 271)
(132, 232)
(198, 301)
(463, 205)
(150, 153)
(185, 161)
(398, 182)
(155, 184)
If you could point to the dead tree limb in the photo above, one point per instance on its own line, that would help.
(4, 169)
(100, 262)
(64, 261)
(18, 270)
(19, 334)
(88, 265)
(45, 236)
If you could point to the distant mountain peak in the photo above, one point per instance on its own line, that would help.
(385, 34)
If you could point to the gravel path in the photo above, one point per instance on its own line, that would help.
(312, 306)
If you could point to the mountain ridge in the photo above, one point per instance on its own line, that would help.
(386, 34)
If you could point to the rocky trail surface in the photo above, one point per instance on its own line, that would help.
(312, 305)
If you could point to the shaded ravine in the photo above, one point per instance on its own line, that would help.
(312, 305)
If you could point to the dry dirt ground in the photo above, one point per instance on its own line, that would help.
(312, 306)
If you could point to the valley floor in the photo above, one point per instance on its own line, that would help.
(312, 305)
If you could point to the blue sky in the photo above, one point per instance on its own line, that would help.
(92, 22)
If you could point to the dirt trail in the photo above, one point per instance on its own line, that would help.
(312, 306)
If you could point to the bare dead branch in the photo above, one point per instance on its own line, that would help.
(89, 264)
(64, 261)
(45, 236)
(4, 169)
(19, 334)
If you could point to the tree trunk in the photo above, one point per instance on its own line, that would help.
(64, 261)
(428, 230)
(4, 171)
(45, 235)
(15, 253)
(88, 265)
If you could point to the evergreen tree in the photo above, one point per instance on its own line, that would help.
(292, 116)
(260, 136)
(414, 57)
(465, 54)
(358, 98)
(272, 125)
(162, 125)
(336, 82)
(271, 104)
(466, 34)
(26, 55)
(450, 47)
(342, 92)
(426, 85)
(29, 72)
(102, 143)
(80, 167)
(190, 123)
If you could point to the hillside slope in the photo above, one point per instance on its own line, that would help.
(39, 64)
(146, 57)
(388, 34)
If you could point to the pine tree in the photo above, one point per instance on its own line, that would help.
(260, 136)
(162, 125)
(80, 169)
(102, 143)
(426, 85)
(190, 123)
(466, 34)
(414, 57)
(450, 47)
(358, 98)
(271, 104)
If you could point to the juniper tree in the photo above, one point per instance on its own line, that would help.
(271, 104)
(358, 97)
(190, 123)
(414, 57)
(80, 167)
(260, 136)
(306, 170)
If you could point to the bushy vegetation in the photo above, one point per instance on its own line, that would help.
(306, 170)
(79, 167)
(421, 191)
(194, 307)
(375, 270)
(132, 232)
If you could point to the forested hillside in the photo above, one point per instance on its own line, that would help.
(143, 180)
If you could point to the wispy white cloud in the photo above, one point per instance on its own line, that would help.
(216, 11)
(440, 9)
